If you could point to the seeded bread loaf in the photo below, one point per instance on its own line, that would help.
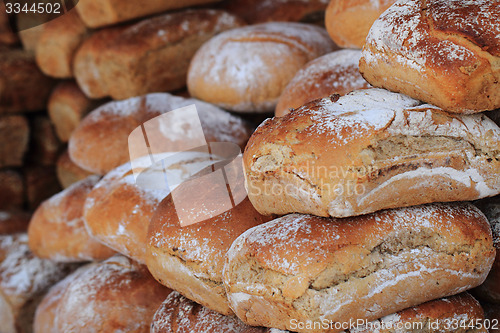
(370, 150)
(309, 269)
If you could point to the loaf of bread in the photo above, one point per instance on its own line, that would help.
(58, 43)
(14, 221)
(348, 22)
(116, 295)
(369, 150)
(57, 230)
(490, 290)
(11, 189)
(178, 314)
(260, 11)
(333, 73)
(308, 269)
(118, 210)
(24, 278)
(14, 135)
(190, 258)
(246, 69)
(68, 172)
(98, 13)
(100, 142)
(23, 87)
(40, 183)
(441, 52)
(67, 106)
(152, 55)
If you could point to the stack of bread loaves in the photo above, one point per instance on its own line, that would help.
(369, 203)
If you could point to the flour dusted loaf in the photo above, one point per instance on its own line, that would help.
(370, 150)
(310, 269)
(348, 22)
(442, 52)
(118, 210)
(116, 295)
(246, 69)
(178, 314)
(152, 55)
(59, 40)
(333, 73)
(24, 278)
(98, 13)
(57, 230)
(490, 290)
(100, 142)
(190, 258)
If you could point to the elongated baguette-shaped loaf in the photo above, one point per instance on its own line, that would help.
(311, 269)
(445, 53)
(370, 150)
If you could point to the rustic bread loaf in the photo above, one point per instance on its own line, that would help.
(57, 230)
(98, 13)
(246, 69)
(348, 22)
(310, 269)
(445, 53)
(68, 172)
(116, 295)
(152, 55)
(333, 73)
(100, 142)
(370, 150)
(59, 40)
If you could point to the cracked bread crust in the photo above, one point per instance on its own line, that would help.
(190, 259)
(442, 52)
(311, 269)
(370, 150)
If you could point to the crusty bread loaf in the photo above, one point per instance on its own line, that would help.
(116, 295)
(14, 221)
(178, 314)
(22, 86)
(311, 269)
(333, 73)
(57, 230)
(118, 210)
(11, 189)
(490, 290)
(441, 52)
(23, 279)
(246, 69)
(190, 258)
(259, 11)
(100, 143)
(370, 150)
(98, 13)
(14, 135)
(68, 172)
(67, 106)
(58, 43)
(152, 55)
(348, 21)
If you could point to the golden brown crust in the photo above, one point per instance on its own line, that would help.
(246, 69)
(333, 73)
(189, 259)
(58, 43)
(441, 52)
(57, 230)
(98, 13)
(100, 142)
(348, 21)
(370, 150)
(22, 86)
(123, 62)
(68, 172)
(114, 295)
(304, 267)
